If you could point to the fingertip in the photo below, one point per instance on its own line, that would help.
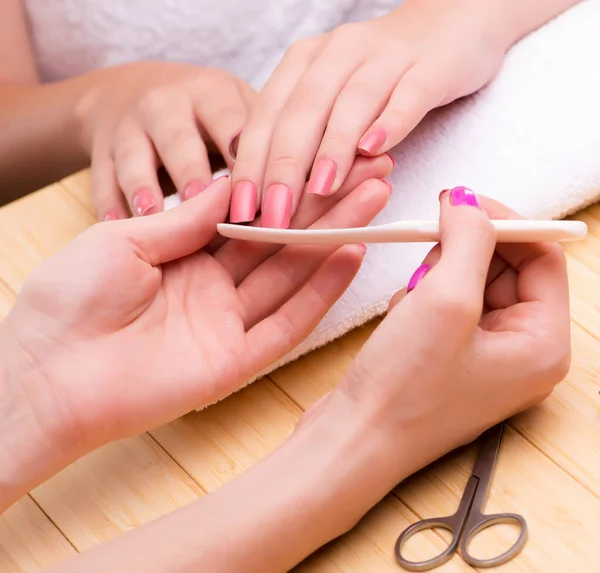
(462, 196)
(144, 202)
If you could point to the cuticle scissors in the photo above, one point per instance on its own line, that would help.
(469, 520)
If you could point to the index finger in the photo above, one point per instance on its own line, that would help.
(542, 267)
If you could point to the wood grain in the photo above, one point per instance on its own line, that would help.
(549, 468)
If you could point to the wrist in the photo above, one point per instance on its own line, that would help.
(33, 445)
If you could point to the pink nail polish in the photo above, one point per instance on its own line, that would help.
(192, 189)
(463, 196)
(363, 248)
(110, 216)
(372, 141)
(322, 177)
(243, 202)
(277, 207)
(389, 186)
(392, 159)
(143, 202)
(417, 276)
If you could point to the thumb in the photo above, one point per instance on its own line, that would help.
(467, 241)
(181, 231)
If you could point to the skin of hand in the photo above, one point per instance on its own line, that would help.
(481, 332)
(361, 89)
(124, 330)
(151, 114)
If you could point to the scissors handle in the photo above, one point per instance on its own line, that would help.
(449, 523)
(477, 523)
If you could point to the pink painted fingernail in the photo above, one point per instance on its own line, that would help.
(363, 248)
(111, 216)
(372, 141)
(277, 207)
(192, 189)
(392, 159)
(417, 276)
(322, 177)
(463, 196)
(243, 202)
(143, 202)
(233, 146)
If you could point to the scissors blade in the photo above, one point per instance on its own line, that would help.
(483, 469)
(508, 231)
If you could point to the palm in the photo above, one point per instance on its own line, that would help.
(142, 325)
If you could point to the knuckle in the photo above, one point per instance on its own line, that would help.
(126, 150)
(282, 163)
(153, 102)
(301, 49)
(350, 32)
(175, 139)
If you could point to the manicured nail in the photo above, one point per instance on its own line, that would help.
(243, 202)
(143, 201)
(363, 248)
(389, 185)
(192, 189)
(372, 141)
(277, 207)
(322, 177)
(233, 146)
(110, 216)
(392, 159)
(417, 276)
(463, 196)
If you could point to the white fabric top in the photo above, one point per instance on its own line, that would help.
(245, 37)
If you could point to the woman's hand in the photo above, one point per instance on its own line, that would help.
(149, 114)
(483, 333)
(361, 88)
(135, 323)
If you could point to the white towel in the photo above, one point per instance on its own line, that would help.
(531, 140)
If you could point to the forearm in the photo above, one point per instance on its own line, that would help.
(39, 140)
(311, 490)
(518, 18)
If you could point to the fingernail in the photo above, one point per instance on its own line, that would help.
(442, 193)
(277, 210)
(363, 248)
(389, 185)
(392, 159)
(372, 141)
(417, 276)
(463, 196)
(322, 177)
(143, 201)
(233, 146)
(192, 189)
(243, 202)
(111, 216)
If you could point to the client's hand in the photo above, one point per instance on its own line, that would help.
(483, 335)
(135, 323)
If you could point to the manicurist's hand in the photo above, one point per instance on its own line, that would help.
(481, 333)
(134, 323)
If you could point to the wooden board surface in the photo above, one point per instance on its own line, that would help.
(549, 468)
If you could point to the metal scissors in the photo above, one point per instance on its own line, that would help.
(469, 520)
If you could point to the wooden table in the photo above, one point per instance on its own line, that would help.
(549, 468)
